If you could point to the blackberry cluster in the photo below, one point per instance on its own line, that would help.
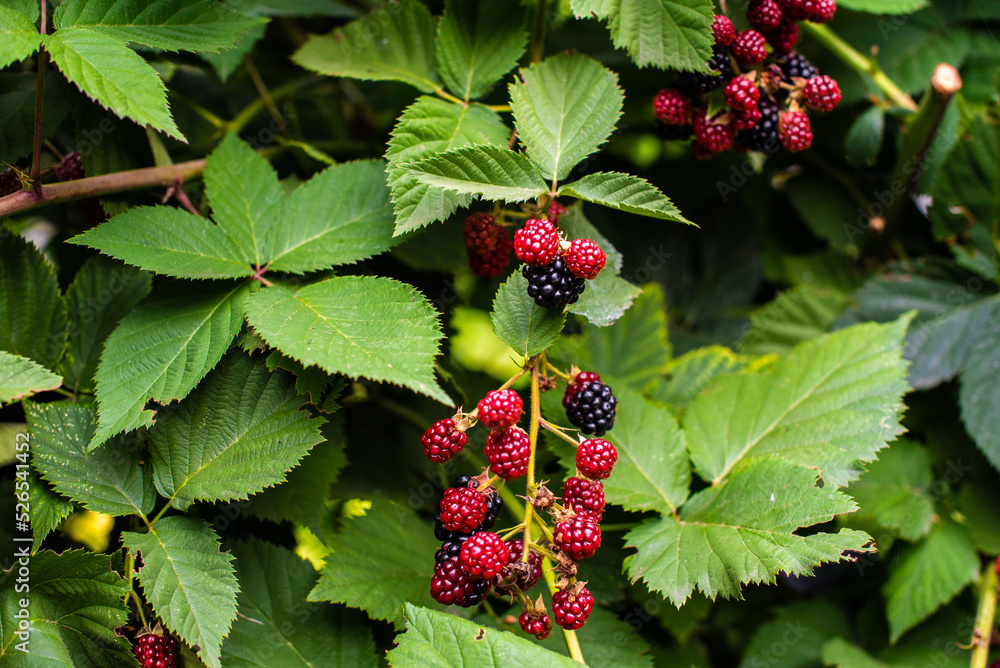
(556, 269)
(764, 80)
(155, 651)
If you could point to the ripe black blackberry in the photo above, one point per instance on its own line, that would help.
(764, 135)
(697, 82)
(451, 547)
(451, 585)
(668, 132)
(797, 65)
(9, 182)
(592, 409)
(553, 285)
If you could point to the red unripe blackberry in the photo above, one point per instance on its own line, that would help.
(764, 15)
(462, 509)
(584, 496)
(480, 232)
(822, 93)
(451, 585)
(745, 119)
(525, 578)
(593, 408)
(494, 263)
(578, 537)
(500, 409)
(555, 211)
(722, 30)
(508, 452)
(442, 441)
(484, 555)
(742, 94)
(537, 242)
(784, 37)
(750, 47)
(714, 137)
(153, 651)
(553, 285)
(70, 168)
(570, 609)
(537, 624)
(672, 107)
(577, 384)
(794, 10)
(795, 131)
(585, 258)
(595, 458)
(820, 11)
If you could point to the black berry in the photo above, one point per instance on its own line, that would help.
(553, 285)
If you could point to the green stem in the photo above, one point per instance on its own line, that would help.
(536, 416)
(164, 509)
(445, 95)
(538, 32)
(858, 62)
(265, 94)
(984, 617)
(138, 607)
(250, 111)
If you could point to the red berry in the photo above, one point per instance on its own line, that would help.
(154, 651)
(442, 441)
(70, 168)
(537, 242)
(9, 182)
(742, 94)
(584, 496)
(795, 131)
(820, 11)
(672, 106)
(572, 606)
(508, 452)
(481, 232)
(585, 258)
(500, 409)
(578, 537)
(462, 509)
(745, 119)
(576, 384)
(750, 47)
(764, 15)
(822, 93)
(794, 10)
(451, 585)
(555, 211)
(595, 458)
(715, 138)
(784, 37)
(537, 624)
(492, 264)
(525, 578)
(723, 30)
(484, 555)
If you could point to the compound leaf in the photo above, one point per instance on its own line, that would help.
(112, 75)
(495, 172)
(112, 479)
(238, 432)
(477, 44)
(521, 323)
(178, 338)
(625, 193)
(426, 128)
(361, 326)
(20, 378)
(564, 108)
(32, 310)
(741, 531)
(395, 43)
(188, 580)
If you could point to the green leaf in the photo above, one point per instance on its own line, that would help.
(929, 575)
(426, 128)
(979, 396)
(625, 193)
(830, 403)
(521, 323)
(188, 581)
(971, 166)
(864, 139)
(600, 9)
(477, 44)
(102, 293)
(48, 509)
(20, 378)
(395, 43)
(828, 210)
(574, 225)
(297, 8)
(27, 8)
(884, 6)
(226, 62)
(272, 630)
(795, 636)
(112, 479)
(172, 25)
(564, 108)
(339, 216)
(796, 316)
(174, 242)
(896, 490)
(741, 531)
(76, 604)
(17, 111)
(664, 33)
(605, 640)
(112, 75)
(606, 299)
(840, 652)
(31, 305)
(405, 546)
(691, 373)
(361, 326)
(439, 640)
(495, 172)
(246, 197)
(18, 37)
(238, 432)
(178, 338)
